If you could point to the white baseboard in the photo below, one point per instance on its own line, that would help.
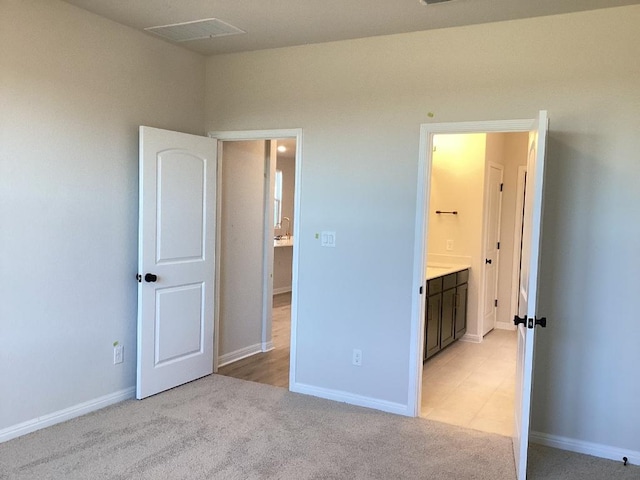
(472, 338)
(588, 448)
(359, 400)
(245, 352)
(505, 326)
(66, 414)
(267, 346)
(277, 291)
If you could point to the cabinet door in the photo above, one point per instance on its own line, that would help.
(432, 341)
(461, 310)
(448, 312)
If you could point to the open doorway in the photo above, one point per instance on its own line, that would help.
(257, 250)
(469, 367)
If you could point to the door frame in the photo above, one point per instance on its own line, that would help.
(485, 232)
(517, 240)
(267, 283)
(425, 161)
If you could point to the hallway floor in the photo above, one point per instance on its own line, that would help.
(270, 367)
(473, 384)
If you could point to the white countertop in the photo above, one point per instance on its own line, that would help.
(284, 242)
(436, 270)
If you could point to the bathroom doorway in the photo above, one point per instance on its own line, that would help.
(469, 379)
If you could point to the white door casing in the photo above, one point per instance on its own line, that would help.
(491, 260)
(223, 136)
(176, 243)
(529, 291)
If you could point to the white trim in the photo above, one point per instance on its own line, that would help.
(505, 326)
(267, 135)
(239, 354)
(517, 240)
(278, 291)
(66, 414)
(587, 448)
(267, 346)
(425, 153)
(351, 399)
(471, 338)
(267, 241)
(216, 294)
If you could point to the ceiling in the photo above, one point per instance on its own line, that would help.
(282, 23)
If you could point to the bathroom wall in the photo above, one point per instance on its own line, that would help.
(283, 256)
(511, 153)
(457, 183)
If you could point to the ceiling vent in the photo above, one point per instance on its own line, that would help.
(431, 2)
(196, 30)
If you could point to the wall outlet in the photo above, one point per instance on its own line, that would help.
(118, 354)
(357, 357)
(449, 245)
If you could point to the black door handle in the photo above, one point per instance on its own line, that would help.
(487, 260)
(150, 278)
(517, 320)
(541, 321)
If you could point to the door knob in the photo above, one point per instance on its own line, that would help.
(150, 278)
(517, 320)
(487, 260)
(541, 321)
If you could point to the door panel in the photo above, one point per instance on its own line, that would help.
(180, 209)
(492, 253)
(528, 290)
(177, 245)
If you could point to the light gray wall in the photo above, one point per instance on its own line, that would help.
(73, 90)
(360, 104)
(241, 246)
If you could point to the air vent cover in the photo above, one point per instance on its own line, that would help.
(431, 2)
(196, 30)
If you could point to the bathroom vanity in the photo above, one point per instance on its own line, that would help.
(446, 306)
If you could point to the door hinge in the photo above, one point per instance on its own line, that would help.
(501, 186)
(495, 302)
(498, 245)
(421, 289)
(530, 323)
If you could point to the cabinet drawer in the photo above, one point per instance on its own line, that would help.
(434, 286)
(463, 277)
(449, 281)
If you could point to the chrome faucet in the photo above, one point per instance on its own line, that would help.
(286, 232)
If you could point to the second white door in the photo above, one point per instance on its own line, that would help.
(491, 252)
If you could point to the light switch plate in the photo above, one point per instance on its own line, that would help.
(328, 239)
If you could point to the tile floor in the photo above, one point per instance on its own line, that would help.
(472, 384)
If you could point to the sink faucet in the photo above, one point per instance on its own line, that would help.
(286, 232)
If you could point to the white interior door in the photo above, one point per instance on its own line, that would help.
(529, 291)
(491, 249)
(176, 259)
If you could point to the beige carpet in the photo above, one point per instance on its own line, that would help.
(224, 428)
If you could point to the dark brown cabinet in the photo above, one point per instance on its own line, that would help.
(446, 311)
